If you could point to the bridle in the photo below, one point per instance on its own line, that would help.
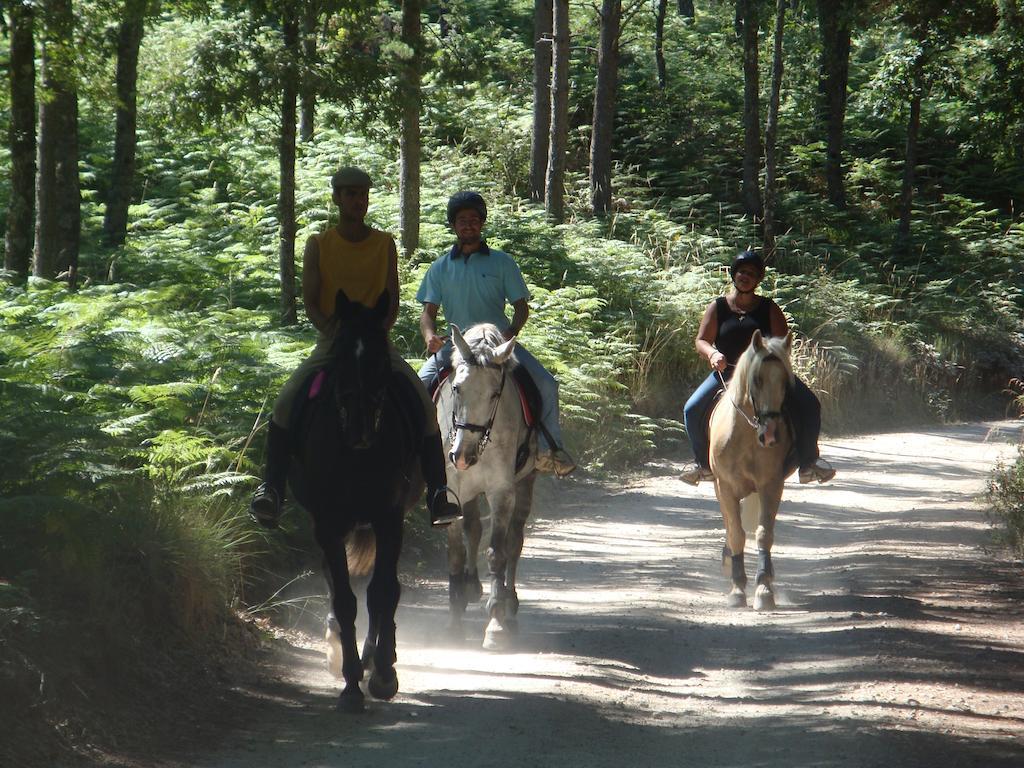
(371, 403)
(761, 418)
(484, 429)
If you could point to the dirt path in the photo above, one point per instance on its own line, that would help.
(898, 640)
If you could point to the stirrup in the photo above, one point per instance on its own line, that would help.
(820, 470)
(265, 507)
(442, 511)
(693, 473)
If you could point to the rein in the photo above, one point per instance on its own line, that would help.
(484, 428)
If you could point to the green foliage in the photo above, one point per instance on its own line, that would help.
(1006, 488)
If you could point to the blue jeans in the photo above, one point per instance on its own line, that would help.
(801, 404)
(547, 385)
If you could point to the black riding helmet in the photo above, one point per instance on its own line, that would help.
(750, 258)
(466, 201)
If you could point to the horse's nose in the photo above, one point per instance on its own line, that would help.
(460, 460)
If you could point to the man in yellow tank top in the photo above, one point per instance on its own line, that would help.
(363, 262)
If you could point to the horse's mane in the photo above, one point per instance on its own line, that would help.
(482, 339)
(750, 360)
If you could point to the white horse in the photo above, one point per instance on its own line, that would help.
(491, 451)
(750, 456)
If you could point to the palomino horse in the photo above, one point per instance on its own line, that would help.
(357, 473)
(750, 447)
(491, 452)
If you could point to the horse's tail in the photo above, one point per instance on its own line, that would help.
(361, 550)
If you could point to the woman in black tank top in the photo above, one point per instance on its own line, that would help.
(725, 331)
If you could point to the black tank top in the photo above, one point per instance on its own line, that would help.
(736, 329)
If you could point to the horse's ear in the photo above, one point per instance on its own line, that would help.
(342, 305)
(461, 345)
(757, 341)
(789, 342)
(502, 352)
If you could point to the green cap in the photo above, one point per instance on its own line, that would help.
(350, 176)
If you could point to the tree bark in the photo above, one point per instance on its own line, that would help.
(21, 141)
(286, 195)
(122, 181)
(748, 20)
(686, 8)
(659, 42)
(542, 44)
(604, 107)
(58, 191)
(307, 97)
(409, 143)
(910, 161)
(44, 256)
(554, 191)
(834, 24)
(770, 131)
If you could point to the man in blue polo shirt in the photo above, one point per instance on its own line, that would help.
(473, 282)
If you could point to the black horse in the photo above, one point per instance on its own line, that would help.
(356, 471)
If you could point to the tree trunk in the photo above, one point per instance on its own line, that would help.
(834, 24)
(44, 256)
(554, 191)
(751, 110)
(58, 191)
(604, 107)
(686, 8)
(409, 143)
(541, 98)
(659, 42)
(307, 112)
(286, 195)
(21, 141)
(910, 162)
(122, 181)
(770, 131)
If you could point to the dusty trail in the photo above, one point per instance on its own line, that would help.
(898, 640)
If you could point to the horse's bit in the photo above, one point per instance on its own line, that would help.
(470, 427)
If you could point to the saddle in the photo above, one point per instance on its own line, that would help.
(529, 400)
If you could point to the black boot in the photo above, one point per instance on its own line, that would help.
(265, 507)
(442, 511)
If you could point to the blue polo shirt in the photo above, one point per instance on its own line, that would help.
(473, 288)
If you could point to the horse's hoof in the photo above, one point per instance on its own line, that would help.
(495, 636)
(351, 701)
(736, 600)
(381, 688)
(764, 599)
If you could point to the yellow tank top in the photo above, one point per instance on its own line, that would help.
(360, 269)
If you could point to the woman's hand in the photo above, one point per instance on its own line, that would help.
(718, 361)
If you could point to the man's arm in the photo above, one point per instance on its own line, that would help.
(311, 282)
(428, 328)
(521, 311)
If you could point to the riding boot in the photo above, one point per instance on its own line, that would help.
(265, 507)
(442, 511)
